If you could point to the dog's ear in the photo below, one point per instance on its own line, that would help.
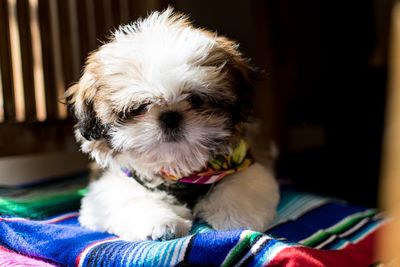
(80, 101)
(243, 74)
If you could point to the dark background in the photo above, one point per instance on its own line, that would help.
(324, 91)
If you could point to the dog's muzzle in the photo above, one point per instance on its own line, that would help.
(171, 122)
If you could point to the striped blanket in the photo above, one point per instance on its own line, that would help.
(39, 227)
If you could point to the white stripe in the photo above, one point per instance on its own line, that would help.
(145, 247)
(61, 217)
(198, 179)
(345, 219)
(297, 212)
(253, 249)
(173, 249)
(213, 179)
(87, 249)
(137, 248)
(330, 239)
(52, 220)
(365, 234)
(345, 243)
(183, 250)
(176, 250)
(243, 235)
(355, 227)
(163, 252)
(272, 252)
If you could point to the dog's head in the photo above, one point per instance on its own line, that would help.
(162, 94)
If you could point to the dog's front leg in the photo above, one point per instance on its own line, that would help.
(119, 205)
(246, 199)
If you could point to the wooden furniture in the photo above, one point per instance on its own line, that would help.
(43, 46)
(389, 246)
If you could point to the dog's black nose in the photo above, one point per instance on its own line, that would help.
(171, 119)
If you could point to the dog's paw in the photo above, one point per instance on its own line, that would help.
(156, 228)
(170, 229)
(229, 219)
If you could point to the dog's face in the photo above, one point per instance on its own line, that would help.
(161, 94)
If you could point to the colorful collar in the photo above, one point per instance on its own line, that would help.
(238, 159)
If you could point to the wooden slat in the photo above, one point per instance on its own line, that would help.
(5, 62)
(16, 61)
(36, 137)
(1, 99)
(162, 4)
(108, 16)
(57, 61)
(38, 76)
(135, 10)
(48, 62)
(100, 18)
(27, 58)
(83, 31)
(66, 40)
(389, 239)
(87, 28)
(69, 35)
(116, 13)
(123, 14)
(91, 23)
(74, 35)
(103, 15)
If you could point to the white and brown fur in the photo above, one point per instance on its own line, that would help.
(148, 68)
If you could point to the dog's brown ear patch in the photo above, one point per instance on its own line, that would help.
(90, 126)
(244, 76)
(79, 98)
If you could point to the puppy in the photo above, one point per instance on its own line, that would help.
(162, 107)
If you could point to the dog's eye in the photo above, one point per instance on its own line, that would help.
(132, 112)
(196, 101)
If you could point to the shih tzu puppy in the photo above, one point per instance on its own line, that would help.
(163, 107)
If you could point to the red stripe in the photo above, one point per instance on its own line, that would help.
(354, 255)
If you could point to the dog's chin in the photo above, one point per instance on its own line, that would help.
(177, 158)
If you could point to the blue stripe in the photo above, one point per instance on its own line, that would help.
(366, 229)
(184, 241)
(57, 242)
(265, 254)
(135, 253)
(129, 246)
(168, 258)
(143, 257)
(211, 248)
(319, 218)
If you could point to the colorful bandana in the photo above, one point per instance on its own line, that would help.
(222, 165)
(238, 159)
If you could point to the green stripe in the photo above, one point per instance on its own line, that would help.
(42, 207)
(244, 244)
(200, 227)
(341, 227)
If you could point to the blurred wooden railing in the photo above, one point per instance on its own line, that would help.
(43, 44)
(389, 240)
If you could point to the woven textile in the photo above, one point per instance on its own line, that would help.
(39, 227)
